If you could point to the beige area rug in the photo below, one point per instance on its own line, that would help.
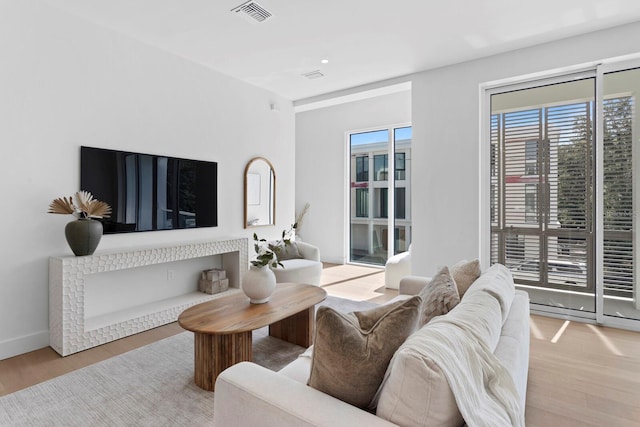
(149, 386)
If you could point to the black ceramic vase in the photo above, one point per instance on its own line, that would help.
(83, 235)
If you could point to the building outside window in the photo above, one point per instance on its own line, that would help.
(383, 202)
(401, 203)
(362, 202)
(531, 158)
(380, 167)
(362, 168)
(531, 203)
(400, 166)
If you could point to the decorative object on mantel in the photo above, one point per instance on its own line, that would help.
(83, 234)
(213, 281)
(260, 282)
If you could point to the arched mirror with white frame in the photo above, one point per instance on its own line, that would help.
(259, 193)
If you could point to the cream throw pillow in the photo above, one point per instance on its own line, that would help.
(352, 351)
(465, 273)
(439, 296)
(415, 391)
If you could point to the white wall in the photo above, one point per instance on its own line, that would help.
(320, 164)
(446, 138)
(66, 83)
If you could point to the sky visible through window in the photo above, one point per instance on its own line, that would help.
(378, 136)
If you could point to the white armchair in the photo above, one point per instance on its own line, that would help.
(397, 267)
(304, 265)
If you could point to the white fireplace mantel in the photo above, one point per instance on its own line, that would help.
(71, 331)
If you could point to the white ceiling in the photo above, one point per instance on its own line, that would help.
(364, 40)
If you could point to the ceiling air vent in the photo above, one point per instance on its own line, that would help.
(313, 75)
(252, 12)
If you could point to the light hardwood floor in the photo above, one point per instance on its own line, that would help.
(579, 374)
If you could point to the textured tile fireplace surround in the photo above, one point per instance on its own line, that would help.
(71, 329)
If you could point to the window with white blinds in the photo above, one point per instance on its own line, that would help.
(543, 189)
(618, 196)
(541, 181)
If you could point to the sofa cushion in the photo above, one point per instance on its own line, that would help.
(439, 297)
(513, 347)
(415, 390)
(483, 311)
(451, 352)
(352, 351)
(498, 282)
(465, 273)
(299, 369)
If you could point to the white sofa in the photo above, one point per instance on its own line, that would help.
(250, 395)
(306, 270)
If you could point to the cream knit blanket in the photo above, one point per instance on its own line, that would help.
(484, 390)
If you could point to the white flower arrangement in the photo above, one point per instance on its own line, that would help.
(267, 253)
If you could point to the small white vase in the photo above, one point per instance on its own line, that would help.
(258, 284)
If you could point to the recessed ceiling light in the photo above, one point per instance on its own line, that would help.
(324, 61)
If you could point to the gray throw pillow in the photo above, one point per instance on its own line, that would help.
(439, 297)
(465, 273)
(289, 251)
(351, 351)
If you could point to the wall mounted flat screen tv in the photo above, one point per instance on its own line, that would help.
(148, 192)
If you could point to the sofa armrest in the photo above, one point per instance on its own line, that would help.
(247, 394)
(308, 251)
(412, 285)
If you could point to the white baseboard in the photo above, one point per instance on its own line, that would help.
(24, 344)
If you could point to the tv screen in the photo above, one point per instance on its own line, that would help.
(148, 192)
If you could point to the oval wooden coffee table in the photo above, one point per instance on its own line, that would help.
(223, 327)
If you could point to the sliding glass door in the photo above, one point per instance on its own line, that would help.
(563, 191)
(542, 222)
(380, 194)
(620, 182)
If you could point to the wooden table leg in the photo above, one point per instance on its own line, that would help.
(297, 329)
(215, 353)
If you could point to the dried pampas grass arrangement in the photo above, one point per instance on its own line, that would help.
(84, 206)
